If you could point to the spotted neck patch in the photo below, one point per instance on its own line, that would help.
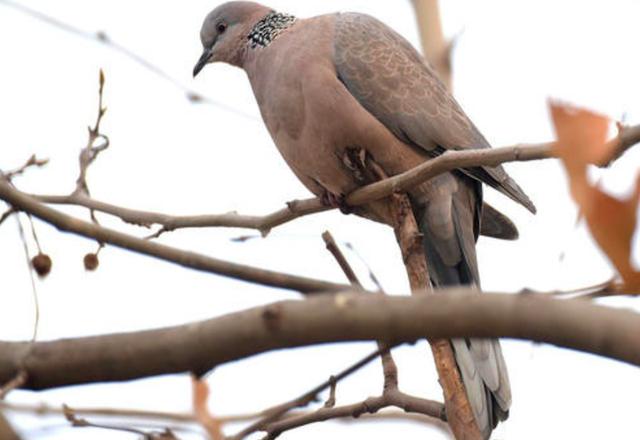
(268, 29)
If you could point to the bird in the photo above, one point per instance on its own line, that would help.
(341, 90)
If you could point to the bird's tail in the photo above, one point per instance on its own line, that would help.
(480, 361)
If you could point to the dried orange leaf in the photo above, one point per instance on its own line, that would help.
(200, 397)
(582, 140)
(612, 223)
(581, 134)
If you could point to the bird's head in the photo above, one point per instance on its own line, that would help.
(224, 32)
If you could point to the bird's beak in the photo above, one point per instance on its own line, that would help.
(204, 59)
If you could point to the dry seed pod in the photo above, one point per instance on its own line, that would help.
(91, 261)
(41, 264)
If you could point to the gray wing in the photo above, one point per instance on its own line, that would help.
(394, 83)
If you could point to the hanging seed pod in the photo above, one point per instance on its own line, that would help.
(41, 264)
(91, 261)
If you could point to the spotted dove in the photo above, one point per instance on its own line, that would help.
(342, 90)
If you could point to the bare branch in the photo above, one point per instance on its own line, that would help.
(409, 238)
(13, 383)
(293, 210)
(91, 151)
(369, 406)
(49, 409)
(78, 422)
(189, 418)
(31, 266)
(184, 258)
(33, 161)
(341, 260)
(8, 213)
(389, 368)
(275, 412)
(198, 347)
(628, 137)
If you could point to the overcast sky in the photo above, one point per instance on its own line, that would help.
(173, 156)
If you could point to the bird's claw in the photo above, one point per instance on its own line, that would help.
(336, 201)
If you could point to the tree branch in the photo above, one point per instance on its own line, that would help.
(460, 414)
(47, 409)
(628, 137)
(275, 412)
(17, 381)
(198, 347)
(50, 409)
(184, 258)
(409, 404)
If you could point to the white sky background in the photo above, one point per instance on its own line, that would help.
(172, 156)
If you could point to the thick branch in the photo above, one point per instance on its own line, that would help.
(629, 136)
(188, 259)
(200, 346)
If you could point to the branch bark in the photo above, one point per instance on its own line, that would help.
(184, 258)
(459, 412)
(198, 347)
(628, 137)
(275, 412)
(392, 397)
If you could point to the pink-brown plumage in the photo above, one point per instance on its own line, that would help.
(334, 83)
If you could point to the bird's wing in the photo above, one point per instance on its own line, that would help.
(394, 83)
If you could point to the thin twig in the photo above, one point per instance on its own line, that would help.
(33, 161)
(389, 368)
(34, 289)
(184, 258)
(340, 259)
(275, 412)
(78, 422)
(369, 406)
(102, 38)
(91, 151)
(49, 409)
(372, 276)
(331, 401)
(8, 213)
(180, 418)
(16, 382)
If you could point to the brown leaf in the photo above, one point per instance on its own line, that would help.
(581, 134)
(612, 223)
(200, 397)
(582, 140)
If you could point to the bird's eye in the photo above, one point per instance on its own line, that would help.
(221, 28)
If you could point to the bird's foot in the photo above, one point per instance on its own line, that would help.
(336, 201)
